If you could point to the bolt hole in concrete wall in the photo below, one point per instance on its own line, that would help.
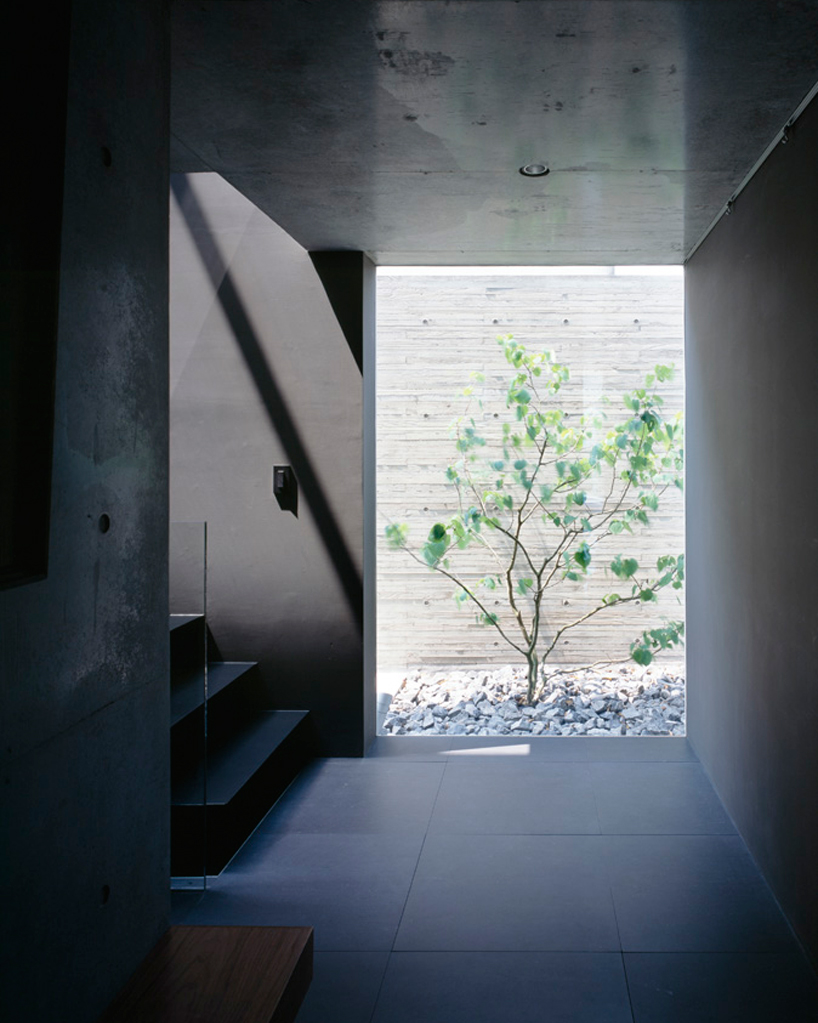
(611, 326)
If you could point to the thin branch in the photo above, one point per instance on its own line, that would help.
(490, 616)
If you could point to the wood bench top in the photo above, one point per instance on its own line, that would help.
(219, 975)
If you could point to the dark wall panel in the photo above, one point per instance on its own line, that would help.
(752, 517)
(262, 374)
(29, 284)
(84, 653)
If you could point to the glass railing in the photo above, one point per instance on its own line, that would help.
(187, 561)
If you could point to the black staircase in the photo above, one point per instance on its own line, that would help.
(252, 753)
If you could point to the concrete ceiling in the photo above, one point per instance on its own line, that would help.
(397, 127)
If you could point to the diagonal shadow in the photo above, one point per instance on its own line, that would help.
(341, 274)
(271, 396)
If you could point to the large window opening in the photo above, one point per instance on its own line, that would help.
(530, 508)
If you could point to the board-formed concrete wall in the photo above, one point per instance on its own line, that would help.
(262, 374)
(752, 412)
(84, 706)
(611, 329)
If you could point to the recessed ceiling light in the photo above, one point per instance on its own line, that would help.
(534, 170)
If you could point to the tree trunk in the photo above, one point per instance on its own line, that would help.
(531, 657)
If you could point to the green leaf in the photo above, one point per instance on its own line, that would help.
(432, 553)
(436, 546)
(642, 655)
(397, 534)
(524, 585)
(624, 568)
(521, 463)
(582, 555)
(649, 419)
(650, 501)
(498, 465)
(522, 397)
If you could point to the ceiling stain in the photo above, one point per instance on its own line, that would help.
(416, 62)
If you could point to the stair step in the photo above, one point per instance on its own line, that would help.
(187, 690)
(252, 974)
(245, 776)
(230, 767)
(187, 643)
(177, 621)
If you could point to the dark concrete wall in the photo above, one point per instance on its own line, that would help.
(84, 653)
(752, 517)
(262, 374)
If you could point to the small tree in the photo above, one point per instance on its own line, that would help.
(528, 506)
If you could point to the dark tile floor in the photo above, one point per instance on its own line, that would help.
(556, 881)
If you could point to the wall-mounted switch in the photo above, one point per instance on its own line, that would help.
(282, 478)
(285, 488)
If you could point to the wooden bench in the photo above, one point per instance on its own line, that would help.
(219, 975)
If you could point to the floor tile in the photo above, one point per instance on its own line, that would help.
(564, 748)
(350, 888)
(181, 904)
(344, 987)
(410, 747)
(638, 748)
(722, 987)
(505, 749)
(692, 893)
(657, 798)
(358, 796)
(523, 987)
(509, 892)
(535, 798)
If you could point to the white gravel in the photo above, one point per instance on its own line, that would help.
(622, 699)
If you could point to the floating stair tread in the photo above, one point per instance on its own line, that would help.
(230, 767)
(187, 691)
(230, 974)
(177, 621)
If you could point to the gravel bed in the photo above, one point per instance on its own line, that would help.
(615, 700)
